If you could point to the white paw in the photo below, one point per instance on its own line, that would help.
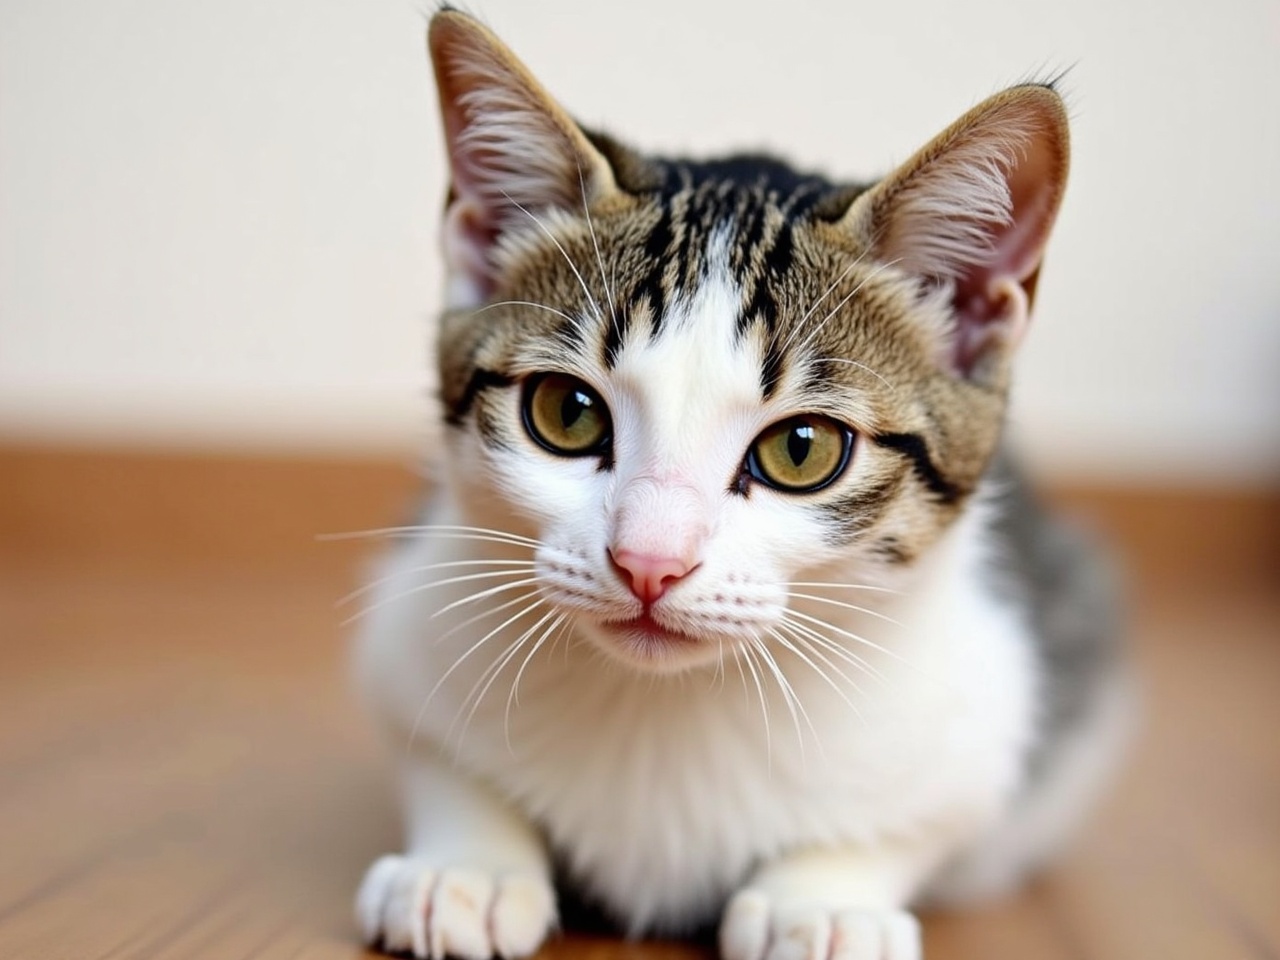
(408, 905)
(756, 928)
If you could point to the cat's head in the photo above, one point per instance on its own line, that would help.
(701, 385)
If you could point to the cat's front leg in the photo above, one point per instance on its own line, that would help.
(845, 904)
(474, 881)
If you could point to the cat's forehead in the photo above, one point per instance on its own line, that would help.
(739, 215)
(718, 275)
(697, 372)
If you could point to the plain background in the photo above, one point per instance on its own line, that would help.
(218, 220)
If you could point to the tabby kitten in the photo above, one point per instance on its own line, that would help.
(726, 605)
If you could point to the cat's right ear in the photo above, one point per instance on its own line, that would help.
(513, 151)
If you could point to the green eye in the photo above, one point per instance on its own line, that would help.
(566, 416)
(802, 454)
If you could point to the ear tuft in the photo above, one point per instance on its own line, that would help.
(972, 211)
(512, 149)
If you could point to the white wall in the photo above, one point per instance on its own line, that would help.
(217, 220)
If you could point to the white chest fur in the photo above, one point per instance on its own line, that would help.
(660, 793)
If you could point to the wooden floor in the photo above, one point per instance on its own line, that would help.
(184, 773)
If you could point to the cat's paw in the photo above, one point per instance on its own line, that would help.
(409, 905)
(756, 928)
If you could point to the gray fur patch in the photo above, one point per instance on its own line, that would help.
(1069, 590)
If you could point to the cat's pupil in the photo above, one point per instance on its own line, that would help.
(572, 408)
(799, 442)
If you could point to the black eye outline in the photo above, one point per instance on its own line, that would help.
(600, 448)
(752, 468)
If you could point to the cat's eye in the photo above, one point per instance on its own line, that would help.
(566, 416)
(800, 454)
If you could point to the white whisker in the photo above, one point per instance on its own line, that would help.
(483, 594)
(496, 669)
(488, 612)
(527, 303)
(591, 301)
(794, 706)
(591, 229)
(422, 587)
(843, 586)
(447, 531)
(848, 606)
(853, 636)
(860, 366)
(514, 695)
(462, 659)
(487, 637)
(848, 656)
(819, 671)
(880, 268)
(826, 293)
(764, 707)
(375, 584)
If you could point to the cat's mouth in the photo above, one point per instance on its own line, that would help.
(647, 630)
(647, 641)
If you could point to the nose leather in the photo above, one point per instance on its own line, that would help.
(648, 576)
(659, 527)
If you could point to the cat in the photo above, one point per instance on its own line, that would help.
(728, 605)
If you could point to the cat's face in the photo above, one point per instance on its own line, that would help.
(704, 388)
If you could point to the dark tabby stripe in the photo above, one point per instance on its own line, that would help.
(853, 513)
(481, 379)
(762, 197)
(911, 446)
(771, 367)
(890, 550)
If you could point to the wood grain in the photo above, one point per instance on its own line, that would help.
(184, 772)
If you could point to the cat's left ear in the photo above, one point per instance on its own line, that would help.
(971, 213)
(513, 151)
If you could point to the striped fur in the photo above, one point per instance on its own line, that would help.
(839, 329)
(700, 305)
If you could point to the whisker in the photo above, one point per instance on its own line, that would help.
(447, 531)
(591, 229)
(494, 667)
(764, 709)
(843, 586)
(507, 605)
(487, 637)
(526, 303)
(853, 636)
(483, 594)
(375, 584)
(417, 720)
(465, 528)
(794, 706)
(514, 695)
(737, 659)
(497, 670)
(820, 672)
(550, 236)
(422, 587)
(826, 643)
(847, 606)
(860, 366)
(825, 293)
(880, 268)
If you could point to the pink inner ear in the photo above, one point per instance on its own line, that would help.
(469, 234)
(992, 296)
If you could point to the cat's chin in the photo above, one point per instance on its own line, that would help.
(644, 643)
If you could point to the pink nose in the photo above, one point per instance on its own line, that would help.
(648, 576)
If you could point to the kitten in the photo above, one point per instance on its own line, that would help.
(727, 604)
